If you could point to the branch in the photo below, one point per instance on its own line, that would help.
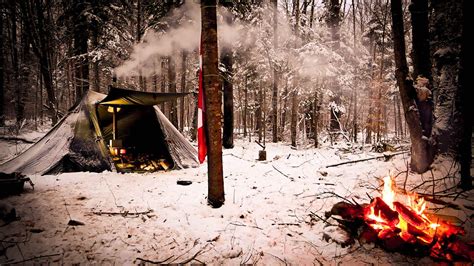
(199, 252)
(386, 156)
(124, 213)
(154, 262)
(13, 138)
(285, 175)
(37, 257)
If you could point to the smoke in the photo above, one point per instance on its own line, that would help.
(158, 44)
(186, 37)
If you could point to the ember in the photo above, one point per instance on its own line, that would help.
(401, 226)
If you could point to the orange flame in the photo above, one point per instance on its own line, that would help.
(388, 195)
(416, 207)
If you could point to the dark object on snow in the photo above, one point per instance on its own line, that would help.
(75, 223)
(78, 142)
(262, 155)
(7, 213)
(184, 182)
(12, 184)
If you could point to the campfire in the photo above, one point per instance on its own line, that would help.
(402, 226)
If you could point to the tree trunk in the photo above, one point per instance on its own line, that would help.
(420, 39)
(163, 83)
(275, 75)
(183, 89)
(2, 71)
(421, 59)
(34, 21)
(311, 16)
(316, 108)
(294, 117)
(353, 24)
(246, 103)
(334, 19)
(19, 107)
(399, 117)
(421, 153)
(284, 106)
(446, 32)
(228, 134)
(25, 71)
(259, 113)
(95, 64)
(138, 37)
(355, 129)
(81, 37)
(213, 96)
(466, 95)
(155, 77)
(172, 88)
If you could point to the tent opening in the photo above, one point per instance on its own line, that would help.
(139, 144)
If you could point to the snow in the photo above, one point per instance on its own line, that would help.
(265, 218)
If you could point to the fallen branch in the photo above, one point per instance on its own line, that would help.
(15, 138)
(155, 262)
(34, 258)
(199, 252)
(295, 224)
(385, 156)
(285, 175)
(240, 224)
(123, 213)
(320, 218)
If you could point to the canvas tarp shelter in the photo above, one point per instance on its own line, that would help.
(78, 141)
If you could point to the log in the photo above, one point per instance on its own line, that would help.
(410, 216)
(385, 211)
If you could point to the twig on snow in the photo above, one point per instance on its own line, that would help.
(245, 225)
(321, 218)
(155, 262)
(328, 192)
(123, 213)
(199, 252)
(285, 175)
(36, 257)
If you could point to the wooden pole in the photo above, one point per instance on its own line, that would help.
(114, 123)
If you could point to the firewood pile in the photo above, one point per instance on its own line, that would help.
(397, 226)
(140, 163)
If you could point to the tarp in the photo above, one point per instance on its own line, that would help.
(118, 96)
(78, 141)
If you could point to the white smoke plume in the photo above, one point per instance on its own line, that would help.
(185, 37)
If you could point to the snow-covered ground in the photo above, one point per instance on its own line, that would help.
(265, 219)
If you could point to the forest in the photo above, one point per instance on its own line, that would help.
(314, 83)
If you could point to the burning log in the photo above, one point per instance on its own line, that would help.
(382, 210)
(410, 216)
